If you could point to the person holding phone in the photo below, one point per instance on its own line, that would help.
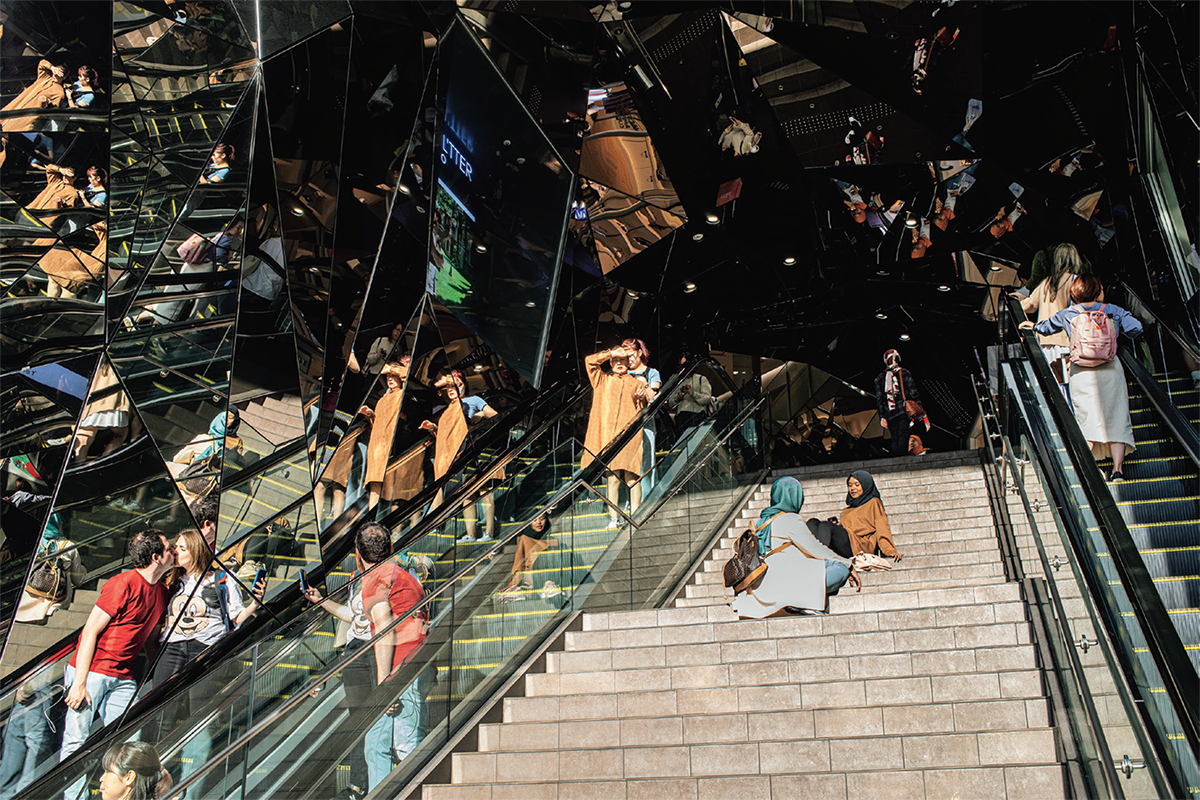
(381, 591)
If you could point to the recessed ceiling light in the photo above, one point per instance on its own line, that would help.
(689, 287)
(298, 211)
(995, 268)
(314, 269)
(880, 315)
(943, 288)
(697, 237)
(789, 260)
(479, 367)
(631, 293)
(403, 188)
(883, 272)
(420, 209)
(530, 304)
(711, 219)
(904, 337)
(910, 220)
(481, 248)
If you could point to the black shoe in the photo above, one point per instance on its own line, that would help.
(1117, 476)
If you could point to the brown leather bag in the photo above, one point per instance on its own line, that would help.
(746, 569)
(911, 407)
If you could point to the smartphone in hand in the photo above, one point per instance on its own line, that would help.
(259, 576)
(303, 582)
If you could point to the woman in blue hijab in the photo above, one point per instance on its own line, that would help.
(801, 571)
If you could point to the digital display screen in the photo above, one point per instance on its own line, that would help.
(502, 197)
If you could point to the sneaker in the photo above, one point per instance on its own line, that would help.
(467, 539)
(613, 524)
(486, 538)
(1117, 476)
(550, 590)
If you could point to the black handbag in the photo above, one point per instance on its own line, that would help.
(201, 476)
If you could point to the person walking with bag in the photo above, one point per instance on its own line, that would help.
(1099, 389)
(899, 402)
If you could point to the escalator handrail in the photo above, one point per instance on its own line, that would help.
(1183, 431)
(1163, 640)
(1179, 338)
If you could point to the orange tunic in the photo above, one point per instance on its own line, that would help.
(73, 269)
(868, 528)
(451, 433)
(614, 406)
(383, 431)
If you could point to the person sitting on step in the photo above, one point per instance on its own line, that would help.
(865, 519)
(529, 546)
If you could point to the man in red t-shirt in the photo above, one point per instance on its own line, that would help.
(99, 677)
(387, 592)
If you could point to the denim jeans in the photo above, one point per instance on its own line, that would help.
(110, 697)
(391, 739)
(836, 575)
(26, 743)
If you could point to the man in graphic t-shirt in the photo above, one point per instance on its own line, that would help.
(99, 677)
(385, 593)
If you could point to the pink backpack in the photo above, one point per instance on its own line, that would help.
(1093, 338)
(194, 249)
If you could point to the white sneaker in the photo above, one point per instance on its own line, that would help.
(468, 539)
(613, 524)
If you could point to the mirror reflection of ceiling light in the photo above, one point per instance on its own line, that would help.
(403, 188)
(689, 287)
(880, 315)
(910, 220)
(995, 268)
(479, 367)
(697, 237)
(481, 248)
(711, 219)
(943, 288)
(904, 337)
(530, 304)
(789, 260)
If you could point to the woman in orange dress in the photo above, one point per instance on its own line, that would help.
(617, 398)
(384, 418)
(47, 91)
(865, 519)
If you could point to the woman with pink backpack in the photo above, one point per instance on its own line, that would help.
(1099, 389)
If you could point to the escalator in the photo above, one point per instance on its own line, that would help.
(1136, 542)
(255, 726)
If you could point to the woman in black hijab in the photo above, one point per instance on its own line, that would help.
(865, 519)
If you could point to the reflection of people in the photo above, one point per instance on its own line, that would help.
(99, 677)
(801, 572)
(28, 738)
(84, 90)
(221, 164)
(865, 519)
(108, 407)
(47, 91)
(1051, 295)
(385, 593)
(893, 387)
(616, 402)
(96, 193)
(381, 348)
(652, 382)
(384, 418)
(70, 270)
(133, 771)
(216, 255)
(529, 546)
(691, 400)
(450, 431)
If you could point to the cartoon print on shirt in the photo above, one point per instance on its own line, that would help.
(192, 612)
(360, 625)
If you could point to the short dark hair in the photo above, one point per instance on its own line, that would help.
(144, 546)
(373, 541)
(206, 509)
(1086, 288)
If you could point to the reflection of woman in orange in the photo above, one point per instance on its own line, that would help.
(71, 270)
(617, 397)
(47, 91)
(451, 431)
(384, 418)
(60, 193)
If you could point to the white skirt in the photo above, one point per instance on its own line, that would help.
(106, 419)
(1101, 399)
(792, 579)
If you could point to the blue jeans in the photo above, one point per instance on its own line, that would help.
(391, 739)
(26, 743)
(110, 697)
(836, 575)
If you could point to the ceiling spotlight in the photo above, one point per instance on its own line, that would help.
(943, 288)
(880, 315)
(883, 272)
(910, 220)
(403, 189)
(298, 211)
(697, 237)
(994, 267)
(420, 209)
(631, 293)
(711, 219)
(530, 304)
(904, 337)
(481, 248)
(314, 270)
(479, 367)
(689, 287)
(625, 6)
(789, 260)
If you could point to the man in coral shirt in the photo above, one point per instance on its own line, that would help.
(99, 677)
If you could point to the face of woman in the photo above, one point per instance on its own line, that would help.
(855, 487)
(95, 181)
(538, 524)
(396, 332)
(393, 381)
(635, 358)
(452, 393)
(113, 786)
(620, 366)
(182, 556)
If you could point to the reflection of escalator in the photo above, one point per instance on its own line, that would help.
(1160, 503)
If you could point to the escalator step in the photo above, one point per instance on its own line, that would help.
(1168, 509)
(1138, 485)
(1165, 535)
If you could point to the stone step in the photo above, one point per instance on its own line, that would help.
(901, 578)
(770, 757)
(984, 783)
(748, 726)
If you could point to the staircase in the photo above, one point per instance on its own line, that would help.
(925, 684)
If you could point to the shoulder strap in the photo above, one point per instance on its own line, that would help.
(768, 522)
(223, 595)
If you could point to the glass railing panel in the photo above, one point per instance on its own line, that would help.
(264, 497)
(1108, 589)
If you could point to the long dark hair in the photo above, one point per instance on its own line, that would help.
(142, 760)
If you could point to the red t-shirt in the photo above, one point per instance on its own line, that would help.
(393, 584)
(135, 607)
